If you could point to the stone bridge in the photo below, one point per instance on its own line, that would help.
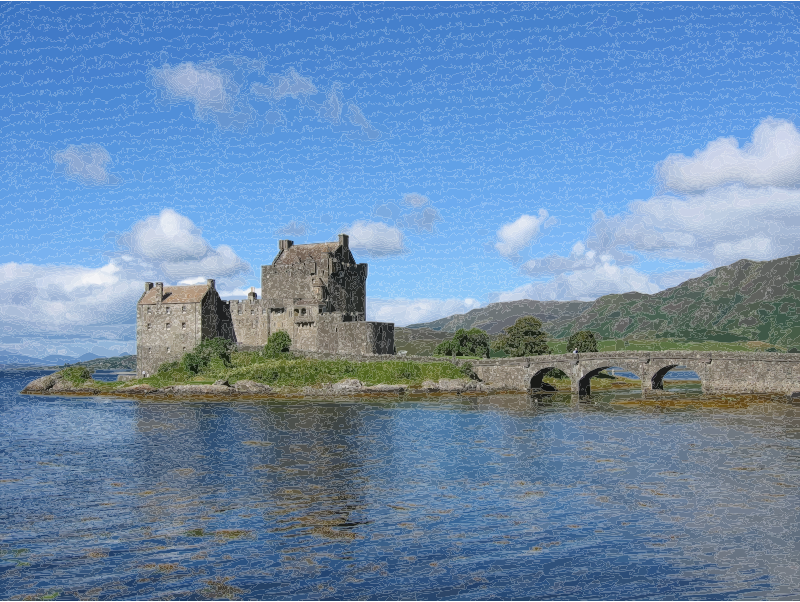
(719, 371)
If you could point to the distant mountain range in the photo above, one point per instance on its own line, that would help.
(744, 301)
(17, 359)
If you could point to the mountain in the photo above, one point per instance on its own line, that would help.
(495, 317)
(54, 359)
(744, 301)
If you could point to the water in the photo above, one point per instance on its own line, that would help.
(688, 497)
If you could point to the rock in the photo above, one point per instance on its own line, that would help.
(348, 384)
(41, 385)
(429, 385)
(795, 395)
(221, 383)
(383, 388)
(137, 389)
(450, 384)
(197, 390)
(62, 385)
(125, 377)
(250, 386)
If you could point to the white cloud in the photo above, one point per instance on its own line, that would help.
(291, 85)
(717, 227)
(514, 237)
(601, 277)
(65, 299)
(172, 245)
(357, 118)
(86, 163)
(415, 199)
(209, 88)
(376, 239)
(332, 106)
(772, 158)
(413, 311)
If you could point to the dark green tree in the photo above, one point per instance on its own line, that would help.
(474, 342)
(524, 338)
(207, 351)
(584, 341)
(277, 343)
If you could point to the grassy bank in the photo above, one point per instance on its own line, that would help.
(296, 372)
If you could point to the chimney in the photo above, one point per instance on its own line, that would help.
(160, 289)
(252, 294)
(210, 283)
(284, 245)
(148, 286)
(344, 241)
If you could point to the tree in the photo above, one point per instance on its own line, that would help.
(474, 342)
(277, 343)
(583, 340)
(206, 352)
(524, 338)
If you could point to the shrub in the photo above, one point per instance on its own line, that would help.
(168, 367)
(76, 374)
(207, 352)
(278, 342)
(556, 373)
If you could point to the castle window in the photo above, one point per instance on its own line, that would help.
(148, 327)
(252, 311)
(183, 308)
(167, 349)
(167, 325)
(303, 311)
(183, 325)
(148, 309)
(166, 310)
(297, 312)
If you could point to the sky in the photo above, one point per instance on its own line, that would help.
(474, 153)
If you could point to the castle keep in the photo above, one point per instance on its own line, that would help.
(317, 293)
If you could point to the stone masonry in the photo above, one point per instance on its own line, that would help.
(719, 372)
(316, 293)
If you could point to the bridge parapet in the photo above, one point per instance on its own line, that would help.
(719, 371)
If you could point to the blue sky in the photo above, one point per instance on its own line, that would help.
(474, 152)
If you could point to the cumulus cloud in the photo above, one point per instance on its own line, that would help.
(86, 163)
(517, 235)
(421, 221)
(716, 227)
(291, 85)
(601, 276)
(376, 239)
(331, 109)
(209, 88)
(172, 245)
(368, 131)
(413, 311)
(65, 299)
(771, 159)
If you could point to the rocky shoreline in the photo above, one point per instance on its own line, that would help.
(55, 384)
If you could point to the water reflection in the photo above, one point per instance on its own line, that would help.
(611, 496)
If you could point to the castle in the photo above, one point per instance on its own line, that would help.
(317, 293)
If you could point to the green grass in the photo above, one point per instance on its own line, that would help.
(300, 372)
(667, 345)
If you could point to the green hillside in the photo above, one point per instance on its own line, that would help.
(745, 301)
(495, 317)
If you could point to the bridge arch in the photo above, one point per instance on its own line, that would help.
(535, 378)
(592, 368)
(659, 370)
